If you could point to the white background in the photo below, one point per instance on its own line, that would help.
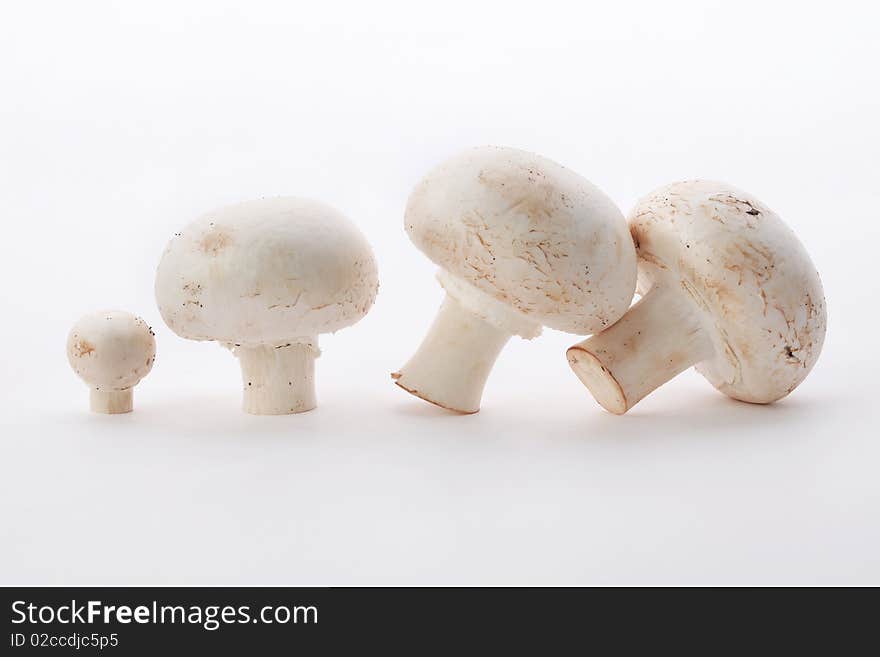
(121, 122)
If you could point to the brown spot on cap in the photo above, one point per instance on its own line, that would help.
(83, 348)
(214, 242)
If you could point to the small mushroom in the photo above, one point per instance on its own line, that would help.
(725, 286)
(521, 243)
(111, 351)
(265, 278)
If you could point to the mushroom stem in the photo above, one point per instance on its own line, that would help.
(278, 380)
(657, 339)
(453, 362)
(111, 401)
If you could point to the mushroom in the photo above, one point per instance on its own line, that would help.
(725, 286)
(265, 278)
(521, 243)
(111, 351)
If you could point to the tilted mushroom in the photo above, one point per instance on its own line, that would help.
(112, 351)
(726, 286)
(521, 243)
(265, 278)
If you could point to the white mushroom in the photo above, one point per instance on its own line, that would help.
(521, 243)
(726, 286)
(111, 351)
(265, 278)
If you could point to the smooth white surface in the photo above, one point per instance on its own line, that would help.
(121, 123)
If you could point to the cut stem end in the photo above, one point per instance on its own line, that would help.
(657, 339)
(111, 401)
(601, 383)
(278, 380)
(452, 364)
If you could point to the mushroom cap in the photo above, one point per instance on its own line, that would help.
(266, 272)
(529, 233)
(751, 279)
(111, 350)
